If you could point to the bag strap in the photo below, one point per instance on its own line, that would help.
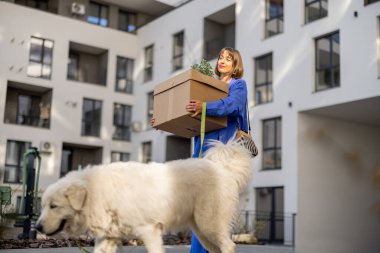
(249, 122)
(203, 125)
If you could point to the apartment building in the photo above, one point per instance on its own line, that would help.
(312, 68)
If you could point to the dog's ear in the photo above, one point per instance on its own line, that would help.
(76, 194)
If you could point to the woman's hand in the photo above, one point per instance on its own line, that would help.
(194, 107)
(152, 120)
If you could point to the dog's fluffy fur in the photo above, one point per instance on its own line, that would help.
(129, 198)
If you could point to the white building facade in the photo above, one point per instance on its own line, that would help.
(312, 70)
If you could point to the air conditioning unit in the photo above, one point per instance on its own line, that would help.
(78, 9)
(46, 147)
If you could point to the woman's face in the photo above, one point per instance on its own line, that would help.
(225, 63)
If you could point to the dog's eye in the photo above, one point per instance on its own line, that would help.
(52, 206)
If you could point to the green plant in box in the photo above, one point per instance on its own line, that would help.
(204, 67)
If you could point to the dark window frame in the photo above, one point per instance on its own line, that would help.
(131, 19)
(331, 67)
(126, 126)
(178, 38)
(276, 149)
(267, 84)
(99, 17)
(93, 123)
(278, 17)
(19, 165)
(129, 63)
(321, 14)
(122, 156)
(146, 158)
(32, 117)
(148, 63)
(76, 56)
(150, 98)
(42, 57)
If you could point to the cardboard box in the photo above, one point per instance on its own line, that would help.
(172, 96)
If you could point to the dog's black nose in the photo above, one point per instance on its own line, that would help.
(39, 227)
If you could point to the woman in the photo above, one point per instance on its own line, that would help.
(229, 69)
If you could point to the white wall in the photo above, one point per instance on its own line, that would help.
(338, 186)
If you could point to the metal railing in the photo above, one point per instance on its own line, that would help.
(268, 227)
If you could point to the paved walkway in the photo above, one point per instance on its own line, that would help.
(168, 249)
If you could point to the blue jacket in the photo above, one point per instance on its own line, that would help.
(234, 106)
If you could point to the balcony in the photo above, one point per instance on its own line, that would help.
(87, 64)
(28, 105)
(219, 32)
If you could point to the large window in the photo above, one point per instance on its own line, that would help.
(40, 58)
(14, 161)
(146, 152)
(315, 9)
(274, 17)
(178, 42)
(327, 65)
(150, 98)
(272, 144)
(122, 122)
(148, 64)
(124, 75)
(98, 14)
(127, 21)
(28, 110)
(119, 156)
(263, 79)
(91, 117)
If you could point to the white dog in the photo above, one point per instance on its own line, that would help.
(129, 198)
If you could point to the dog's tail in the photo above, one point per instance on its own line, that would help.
(234, 157)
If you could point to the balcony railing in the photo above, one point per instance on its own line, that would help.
(31, 120)
(268, 227)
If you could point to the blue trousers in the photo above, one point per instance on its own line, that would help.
(196, 246)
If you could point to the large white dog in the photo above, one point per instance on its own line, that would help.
(129, 198)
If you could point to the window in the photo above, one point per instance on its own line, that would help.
(263, 79)
(36, 205)
(150, 108)
(315, 9)
(327, 61)
(91, 117)
(177, 60)
(274, 17)
(40, 58)
(124, 75)
(127, 21)
(147, 152)
(370, 1)
(73, 67)
(119, 157)
(14, 161)
(122, 122)
(66, 161)
(37, 4)
(272, 144)
(148, 65)
(98, 14)
(28, 110)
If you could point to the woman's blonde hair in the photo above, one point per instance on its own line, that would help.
(237, 62)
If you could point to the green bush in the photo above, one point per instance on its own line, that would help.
(204, 67)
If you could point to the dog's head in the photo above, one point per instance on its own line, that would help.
(62, 208)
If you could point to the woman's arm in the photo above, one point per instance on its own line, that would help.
(231, 105)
